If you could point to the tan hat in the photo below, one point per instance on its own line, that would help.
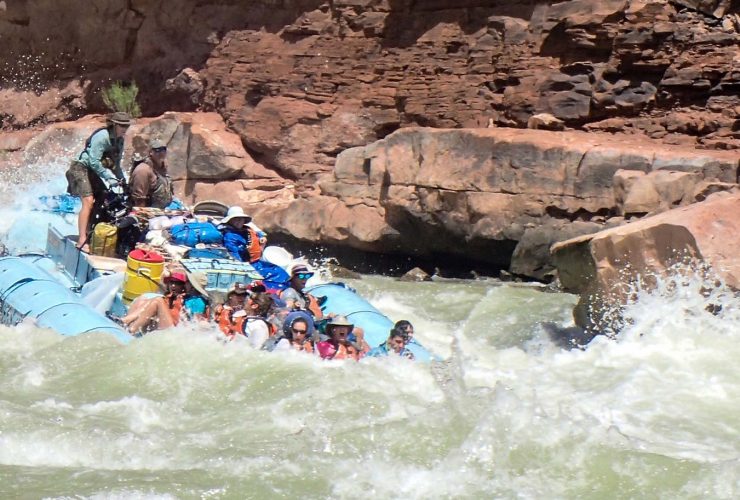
(120, 118)
(199, 281)
(339, 321)
(157, 144)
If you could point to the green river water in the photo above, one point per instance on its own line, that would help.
(505, 414)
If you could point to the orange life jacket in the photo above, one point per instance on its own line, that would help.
(224, 316)
(175, 305)
(307, 346)
(254, 249)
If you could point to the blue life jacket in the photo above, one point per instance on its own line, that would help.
(236, 244)
(274, 277)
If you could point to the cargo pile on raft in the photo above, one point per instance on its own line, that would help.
(167, 281)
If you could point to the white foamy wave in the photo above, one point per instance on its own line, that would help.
(24, 223)
(128, 494)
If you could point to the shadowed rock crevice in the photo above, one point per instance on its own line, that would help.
(441, 264)
(268, 163)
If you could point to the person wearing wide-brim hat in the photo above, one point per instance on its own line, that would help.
(185, 298)
(236, 217)
(338, 329)
(196, 301)
(151, 185)
(242, 238)
(96, 170)
(341, 343)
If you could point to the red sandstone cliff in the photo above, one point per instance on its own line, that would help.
(301, 81)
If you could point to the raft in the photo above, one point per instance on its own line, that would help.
(46, 287)
(28, 291)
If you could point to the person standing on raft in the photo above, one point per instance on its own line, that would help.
(97, 170)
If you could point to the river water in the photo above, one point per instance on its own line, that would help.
(503, 414)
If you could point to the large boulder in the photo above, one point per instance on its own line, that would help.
(604, 267)
(639, 193)
(504, 196)
(199, 148)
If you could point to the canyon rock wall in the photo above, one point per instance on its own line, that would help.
(301, 82)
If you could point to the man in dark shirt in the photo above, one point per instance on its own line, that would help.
(151, 186)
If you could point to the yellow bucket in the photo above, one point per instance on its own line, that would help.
(143, 273)
(104, 239)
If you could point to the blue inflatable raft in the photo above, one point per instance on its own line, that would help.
(45, 288)
(27, 291)
(341, 299)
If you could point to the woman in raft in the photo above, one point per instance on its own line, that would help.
(186, 298)
(342, 343)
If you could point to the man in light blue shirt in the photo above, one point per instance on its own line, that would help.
(97, 170)
(396, 345)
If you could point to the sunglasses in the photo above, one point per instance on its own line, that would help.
(304, 276)
(160, 150)
(299, 331)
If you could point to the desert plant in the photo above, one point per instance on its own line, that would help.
(122, 97)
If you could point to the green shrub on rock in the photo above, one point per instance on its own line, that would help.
(122, 97)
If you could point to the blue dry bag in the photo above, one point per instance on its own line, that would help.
(192, 233)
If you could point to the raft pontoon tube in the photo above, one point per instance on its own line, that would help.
(341, 299)
(26, 291)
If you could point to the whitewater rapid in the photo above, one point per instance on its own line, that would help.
(652, 413)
